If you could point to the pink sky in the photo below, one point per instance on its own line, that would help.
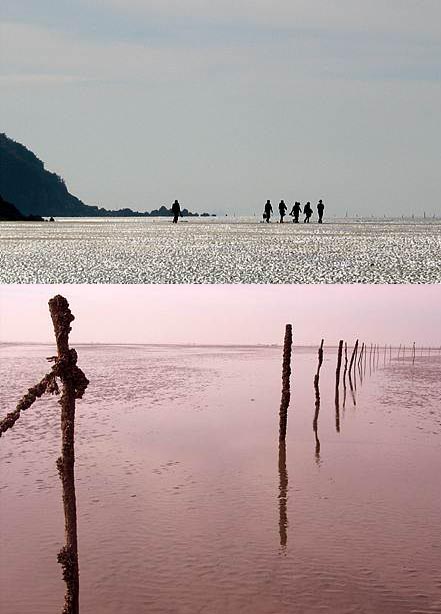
(227, 314)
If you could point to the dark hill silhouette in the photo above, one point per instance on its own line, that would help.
(10, 213)
(36, 191)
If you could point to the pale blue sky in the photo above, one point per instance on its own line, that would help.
(224, 104)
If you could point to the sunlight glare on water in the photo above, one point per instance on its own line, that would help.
(225, 250)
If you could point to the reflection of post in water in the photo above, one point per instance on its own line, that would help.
(360, 373)
(344, 374)
(337, 385)
(351, 385)
(370, 360)
(360, 358)
(351, 364)
(286, 374)
(354, 354)
(283, 495)
(317, 402)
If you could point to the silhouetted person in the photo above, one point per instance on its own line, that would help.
(51, 219)
(296, 211)
(282, 210)
(320, 209)
(268, 210)
(308, 212)
(176, 210)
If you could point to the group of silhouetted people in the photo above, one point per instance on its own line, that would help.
(295, 211)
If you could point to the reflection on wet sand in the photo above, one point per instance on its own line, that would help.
(283, 496)
(317, 402)
(337, 386)
(315, 429)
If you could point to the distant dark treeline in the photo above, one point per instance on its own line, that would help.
(36, 191)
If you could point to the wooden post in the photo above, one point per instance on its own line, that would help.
(337, 385)
(74, 384)
(317, 400)
(354, 353)
(337, 371)
(286, 374)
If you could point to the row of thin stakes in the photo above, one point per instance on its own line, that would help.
(357, 358)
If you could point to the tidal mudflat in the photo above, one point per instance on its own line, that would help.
(187, 504)
(226, 250)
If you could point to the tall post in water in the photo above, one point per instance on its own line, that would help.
(317, 400)
(354, 353)
(74, 384)
(286, 374)
(337, 385)
(413, 353)
(344, 374)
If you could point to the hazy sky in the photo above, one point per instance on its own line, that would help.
(227, 314)
(225, 103)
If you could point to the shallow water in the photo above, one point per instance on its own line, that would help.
(186, 503)
(225, 250)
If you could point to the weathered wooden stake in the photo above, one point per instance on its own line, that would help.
(74, 384)
(344, 374)
(286, 374)
(337, 370)
(337, 385)
(354, 353)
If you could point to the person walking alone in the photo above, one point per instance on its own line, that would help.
(176, 210)
(320, 209)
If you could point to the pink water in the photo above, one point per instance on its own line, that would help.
(185, 504)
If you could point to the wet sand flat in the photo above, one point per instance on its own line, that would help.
(186, 503)
(224, 250)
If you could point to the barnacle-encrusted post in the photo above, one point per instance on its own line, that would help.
(286, 374)
(47, 384)
(74, 383)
